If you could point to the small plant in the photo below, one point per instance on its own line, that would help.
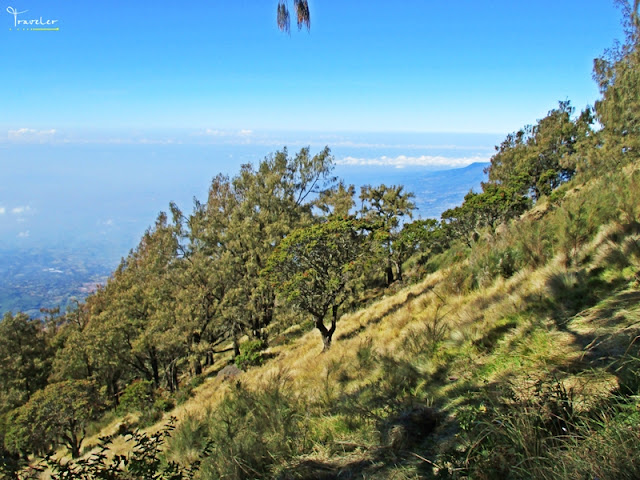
(252, 432)
(365, 355)
(250, 354)
(163, 404)
(512, 438)
(427, 338)
(144, 460)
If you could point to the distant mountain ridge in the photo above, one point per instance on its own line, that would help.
(438, 191)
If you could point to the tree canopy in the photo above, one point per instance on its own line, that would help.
(315, 267)
(58, 414)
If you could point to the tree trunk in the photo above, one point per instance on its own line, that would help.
(171, 374)
(327, 334)
(155, 368)
(197, 367)
(75, 449)
(236, 347)
(326, 341)
(389, 272)
(389, 269)
(113, 389)
(73, 443)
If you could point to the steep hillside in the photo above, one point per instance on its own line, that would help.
(521, 377)
(281, 331)
(516, 358)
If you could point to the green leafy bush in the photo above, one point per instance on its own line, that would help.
(250, 354)
(138, 396)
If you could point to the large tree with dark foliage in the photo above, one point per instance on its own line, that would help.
(315, 268)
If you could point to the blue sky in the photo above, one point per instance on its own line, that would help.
(154, 70)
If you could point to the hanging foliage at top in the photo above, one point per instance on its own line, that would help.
(303, 16)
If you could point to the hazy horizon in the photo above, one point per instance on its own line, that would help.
(76, 193)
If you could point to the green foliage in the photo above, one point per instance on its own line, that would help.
(315, 268)
(163, 404)
(541, 433)
(491, 262)
(250, 354)
(495, 205)
(537, 159)
(420, 239)
(618, 76)
(58, 414)
(577, 225)
(250, 433)
(137, 396)
(24, 359)
(426, 340)
(145, 460)
(534, 242)
(337, 201)
(386, 206)
(517, 432)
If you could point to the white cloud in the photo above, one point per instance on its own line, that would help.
(2, 210)
(31, 135)
(21, 210)
(152, 141)
(210, 132)
(404, 161)
(24, 234)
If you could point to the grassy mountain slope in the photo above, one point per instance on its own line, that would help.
(513, 359)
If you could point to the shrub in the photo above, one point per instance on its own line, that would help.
(250, 433)
(250, 354)
(518, 431)
(144, 460)
(137, 397)
(533, 241)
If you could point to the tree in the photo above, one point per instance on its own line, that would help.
(202, 275)
(618, 76)
(275, 198)
(387, 205)
(58, 414)
(535, 160)
(315, 269)
(337, 201)
(303, 16)
(424, 235)
(131, 330)
(24, 359)
(495, 205)
(226, 242)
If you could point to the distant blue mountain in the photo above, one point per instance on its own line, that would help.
(438, 191)
(435, 190)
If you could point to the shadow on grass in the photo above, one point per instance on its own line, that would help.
(341, 469)
(378, 318)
